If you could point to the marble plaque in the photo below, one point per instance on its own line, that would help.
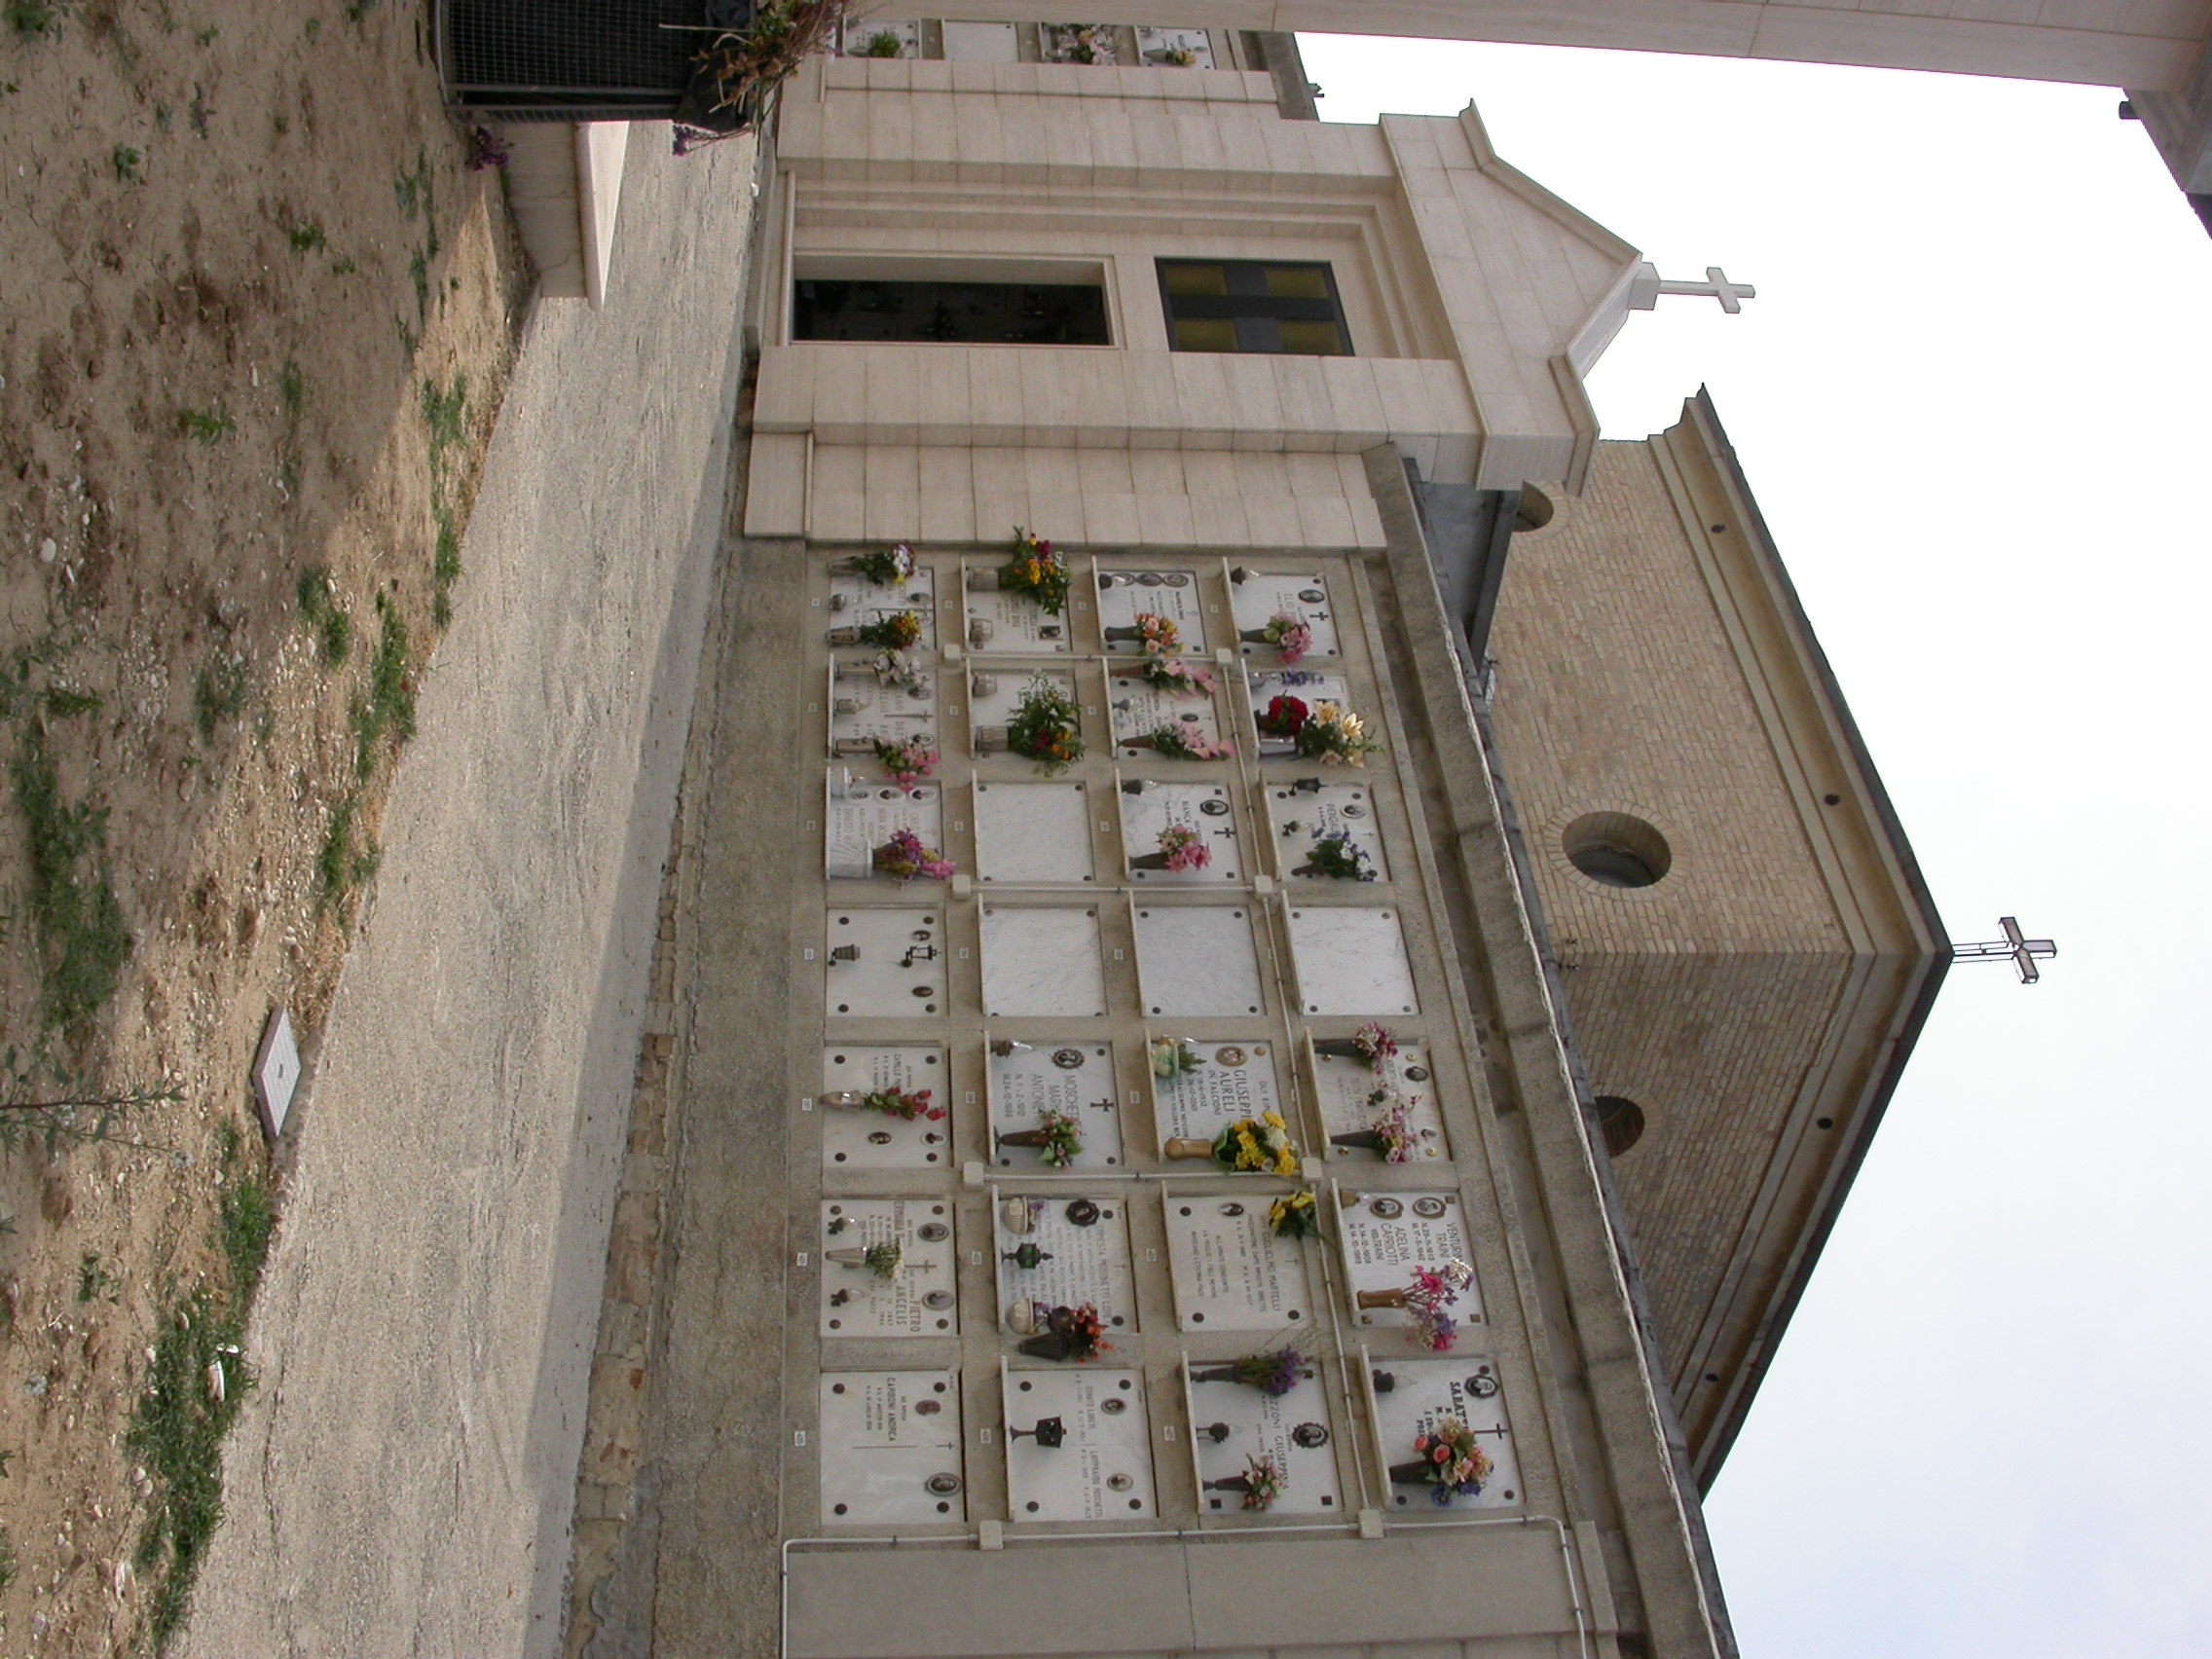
(982, 42)
(1385, 1236)
(886, 964)
(864, 708)
(860, 1139)
(1101, 1469)
(1295, 1431)
(1139, 709)
(1235, 1079)
(1126, 595)
(921, 1297)
(1081, 1254)
(1148, 808)
(1155, 45)
(1001, 623)
(859, 31)
(1347, 1089)
(1033, 832)
(1310, 686)
(1197, 960)
(891, 1448)
(855, 601)
(1299, 817)
(1262, 595)
(1420, 1392)
(1076, 1077)
(862, 814)
(995, 693)
(1231, 1273)
(1351, 959)
(1041, 962)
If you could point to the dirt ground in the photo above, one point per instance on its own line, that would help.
(256, 316)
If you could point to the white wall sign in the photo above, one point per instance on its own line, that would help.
(855, 601)
(1078, 1250)
(1230, 1274)
(1197, 960)
(1385, 1236)
(1139, 709)
(1001, 621)
(1101, 1467)
(891, 1448)
(1351, 959)
(886, 964)
(1033, 832)
(1346, 1088)
(1126, 595)
(1200, 809)
(1041, 962)
(1420, 1392)
(1294, 1431)
(1299, 816)
(856, 1138)
(861, 814)
(1263, 595)
(918, 1298)
(1232, 1080)
(865, 706)
(1077, 1078)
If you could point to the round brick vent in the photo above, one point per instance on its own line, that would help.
(1617, 849)
(1620, 1121)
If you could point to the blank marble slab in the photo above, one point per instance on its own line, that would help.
(1089, 1263)
(1351, 959)
(1344, 1088)
(994, 694)
(982, 42)
(922, 1301)
(1297, 1430)
(1236, 1079)
(1138, 708)
(1041, 963)
(861, 814)
(1263, 595)
(1296, 818)
(869, 1140)
(1425, 1390)
(1102, 1470)
(897, 967)
(1033, 832)
(1384, 1236)
(1148, 808)
(1005, 623)
(1026, 1080)
(891, 1445)
(1310, 686)
(1197, 960)
(864, 710)
(1123, 595)
(855, 602)
(1229, 1271)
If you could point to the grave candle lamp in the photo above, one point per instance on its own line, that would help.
(1050, 1432)
(1027, 1254)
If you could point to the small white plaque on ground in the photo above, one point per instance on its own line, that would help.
(276, 1072)
(866, 707)
(1033, 832)
(891, 1448)
(863, 1139)
(994, 694)
(1124, 596)
(1041, 962)
(1140, 709)
(1093, 1459)
(1347, 1087)
(1150, 809)
(1027, 1080)
(917, 1298)
(1078, 1248)
(1351, 959)
(855, 602)
(982, 42)
(1194, 960)
(1309, 686)
(1232, 1080)
(1261, 596)
(861, 814)
(886, 964)
(1004, 622)
(1184, 49)
(1302, 814)
(1231, 1273)
(1385, 1236)
(1231, 1424)
(1422, 1392)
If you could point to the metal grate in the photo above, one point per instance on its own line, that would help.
(574, 60)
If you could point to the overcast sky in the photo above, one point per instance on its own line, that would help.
(1975, 399)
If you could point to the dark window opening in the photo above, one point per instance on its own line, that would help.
(1250, 304)
(1620, 1121)
(951, 314)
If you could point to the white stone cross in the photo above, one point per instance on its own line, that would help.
(2022, 952)
(1647, 285)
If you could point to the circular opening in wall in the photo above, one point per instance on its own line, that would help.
(1620, 1121)
(1534, 511)
(1616, 849)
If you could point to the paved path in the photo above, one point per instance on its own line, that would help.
(402, 1483)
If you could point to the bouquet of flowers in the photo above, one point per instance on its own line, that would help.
(1259, 1145)
(1272, 1373)
(1172, 1056)
(1393, 1130)
(1295, 1215)
(1339, 857)
(1284, 715)
(1334, 735)
(884, 1259)
(1428, 1298)
(1036, 571)
(1060, 1333)
(1177, 677)
(1372, 1045)
(1062, 1137)
(907, 1105)
(904, 857)
(892, 633)
(1184, 848)
(1045, 727)
(1264, 1481)
(1156, 635)
(891, 568)
(1290, 636)
(898, 669)
(1179, 742)
(908, 760)
(1457, 1467)
(1180, 58)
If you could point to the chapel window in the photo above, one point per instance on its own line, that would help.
(950, 313)
(1253, 305)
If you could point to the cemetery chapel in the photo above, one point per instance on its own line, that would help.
(1340, 947)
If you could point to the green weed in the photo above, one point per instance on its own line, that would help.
(339, 867)
(7, 1562)
(210, 425)
(32, 18)
(291, 387)
(446, 413)
(343, 268)
(314, 28)
(318, 604)
(218, 694)
(280, 123)
(162, 116)
(306, 237)
(207, 36)
(385, 708)
(125, 160)
(96, 1282)
(81, 941)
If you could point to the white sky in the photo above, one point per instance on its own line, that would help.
(1975, 399)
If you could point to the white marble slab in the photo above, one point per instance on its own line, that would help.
(1154, 44)
(1425, 1390)
(1148, 808)
(1296, 818)
(861, 814)
(921, 1300)
(1235, 1079)
(1351, 959)
(1311, 686)
(1139, 709)
(869, 1140)
(855, 601)
(891, 1445)
(1103, 1469)
(1041, 962)
(982, 42)
(1076, 1077)
(1384, 1236)
(1004, 623)
(1082, 1243)
(1347, 1089)
(864, 709)
(1123, 595)
(1033, 832)
(860, 31)
(1230, 1274)
(1197, 960)
(1262, 595)
(897, 967)
(1295, 1429)
(995, 693)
